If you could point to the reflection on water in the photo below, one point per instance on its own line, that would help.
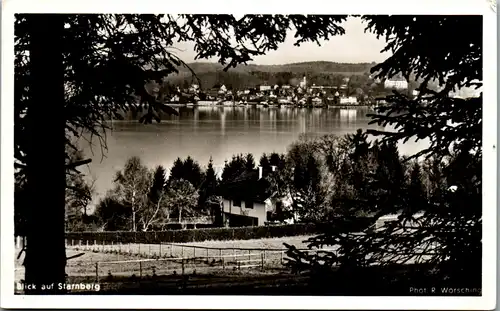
(220, 132)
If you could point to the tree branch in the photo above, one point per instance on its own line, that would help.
(74, 165)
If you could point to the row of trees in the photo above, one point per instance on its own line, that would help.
(321, 179)
(331, 177)
(144, 199)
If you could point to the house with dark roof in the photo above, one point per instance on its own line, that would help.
(246, 199)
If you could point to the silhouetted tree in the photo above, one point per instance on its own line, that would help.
(233, 168)
(177, 170)
(211, 181)
(208, 200)
(265, 164)
(249, 162)
(447, 229)
(159, 183)
(276, 160)
(309, 195)
(113, 215)
(416, 197)
(193, 172)
(188, 170)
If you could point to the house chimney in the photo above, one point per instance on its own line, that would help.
(273, 168)
(260, 172)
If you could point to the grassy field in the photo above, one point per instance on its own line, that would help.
(211, 267)
(111, 261)
(198, 249)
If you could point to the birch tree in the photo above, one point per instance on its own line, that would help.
(132, 186)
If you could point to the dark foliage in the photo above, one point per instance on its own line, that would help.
(233, 168)
(188, 170)
(113, 214)
(446, 233)
(249, 162)
(159, 184)
(211, 234)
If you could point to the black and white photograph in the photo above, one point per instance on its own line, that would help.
(235, 155)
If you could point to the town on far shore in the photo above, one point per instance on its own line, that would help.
(302, 95)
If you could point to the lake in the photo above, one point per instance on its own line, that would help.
(218, 132)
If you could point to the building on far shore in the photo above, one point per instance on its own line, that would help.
(264, 88)
(396, 83)
(303, 83)
(351, 100)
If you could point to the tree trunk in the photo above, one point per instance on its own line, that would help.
(133, 221)
(46, 179)
(134, 226)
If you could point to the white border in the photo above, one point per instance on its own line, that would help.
(487, 301)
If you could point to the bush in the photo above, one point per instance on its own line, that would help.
(216, 234)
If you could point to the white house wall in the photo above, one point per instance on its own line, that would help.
(258, 211)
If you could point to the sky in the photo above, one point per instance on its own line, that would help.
(355, 46)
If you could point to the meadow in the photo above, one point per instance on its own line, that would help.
(109, 263)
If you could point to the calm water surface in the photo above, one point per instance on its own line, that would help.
(218, 132)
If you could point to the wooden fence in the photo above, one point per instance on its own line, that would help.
(172, 258)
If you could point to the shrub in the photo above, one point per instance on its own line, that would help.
(215, 234)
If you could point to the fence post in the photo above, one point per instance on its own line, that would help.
(97, 272)
(182, 251)
(223, 264)
(249, 257)
(140, 269)
(234, 254)
(262, 257)
(194, 252)
(265, 255)
(160, 251)
(149, 250)
(139, 248)
(182, 262)
(207, 253)
(171, 248)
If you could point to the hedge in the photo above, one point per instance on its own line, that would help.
(217, 234)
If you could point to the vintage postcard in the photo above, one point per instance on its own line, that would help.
(268, 155)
